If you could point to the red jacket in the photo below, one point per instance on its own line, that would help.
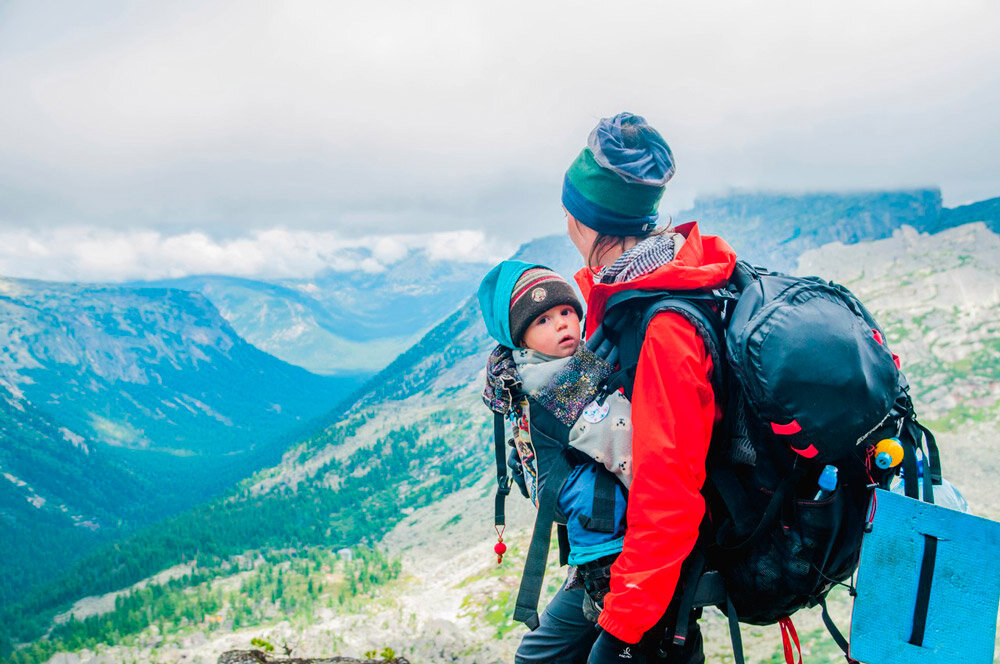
(673, 411)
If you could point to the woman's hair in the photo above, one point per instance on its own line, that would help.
(602, 243)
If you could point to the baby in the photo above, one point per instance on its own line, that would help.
(535, 313)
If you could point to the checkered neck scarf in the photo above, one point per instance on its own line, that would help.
(642, 259)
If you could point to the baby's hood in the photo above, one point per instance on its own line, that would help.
(494, 298)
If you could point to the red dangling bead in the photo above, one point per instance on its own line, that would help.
(500, 548)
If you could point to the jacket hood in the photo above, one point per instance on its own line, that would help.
(704, 262)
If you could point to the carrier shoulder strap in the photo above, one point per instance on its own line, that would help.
(503, 477)
(526, 605)
(697, 307)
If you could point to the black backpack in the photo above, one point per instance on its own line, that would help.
(805, 380)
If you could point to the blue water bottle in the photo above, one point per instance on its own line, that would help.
(827, 483)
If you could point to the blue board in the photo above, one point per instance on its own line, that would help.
(959, 554)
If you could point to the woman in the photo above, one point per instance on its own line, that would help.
(611, 194)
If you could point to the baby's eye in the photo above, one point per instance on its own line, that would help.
(542, 320)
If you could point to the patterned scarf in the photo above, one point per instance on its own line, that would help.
(570, 391)
(643, 258)
(502, 381)
(565, 395)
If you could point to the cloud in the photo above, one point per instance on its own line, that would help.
(389, 116)
(96, 254)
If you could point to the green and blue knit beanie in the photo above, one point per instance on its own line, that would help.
(615, 184)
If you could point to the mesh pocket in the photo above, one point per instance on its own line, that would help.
(794, 564)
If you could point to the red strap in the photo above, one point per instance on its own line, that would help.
(809, 453)
(881, 341)
(786, 429)
(788, 636)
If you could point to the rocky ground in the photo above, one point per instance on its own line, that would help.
(453, 602)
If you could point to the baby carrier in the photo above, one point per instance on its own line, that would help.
(542, 458)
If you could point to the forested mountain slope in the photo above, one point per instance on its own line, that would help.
(119, 406)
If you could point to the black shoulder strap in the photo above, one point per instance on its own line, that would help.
(916, 437)
(628, 331)
(834, 631)
(602, 512)
(526, 606)
(556, 469)
(503, 478)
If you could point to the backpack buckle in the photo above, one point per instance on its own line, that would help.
(503, 484)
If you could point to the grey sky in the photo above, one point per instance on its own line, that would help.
(229, 119)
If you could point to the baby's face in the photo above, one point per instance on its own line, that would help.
(556, 332)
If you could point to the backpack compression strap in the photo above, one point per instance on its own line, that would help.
(916, 437)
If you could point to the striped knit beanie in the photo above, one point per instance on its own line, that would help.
(535, 292)
(615, 184)
(513, 293)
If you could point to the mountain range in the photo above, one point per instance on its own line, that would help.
(119, 406)
(406, 461)
(357, 322)
(341, 323)
(773, 229)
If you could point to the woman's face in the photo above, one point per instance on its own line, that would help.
(581, 236)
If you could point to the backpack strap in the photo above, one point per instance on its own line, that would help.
(627, 330)
(562, 535)
(526, 606)
(734, 631)
(771, 513)
(914, 436)
(695, 565)
(732, 494)
(910, 477)
(924, 591)
(835, 632)
(933, 456)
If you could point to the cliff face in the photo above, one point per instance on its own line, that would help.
(987, 211)
(774, 229)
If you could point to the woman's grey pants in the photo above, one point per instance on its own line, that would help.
(565, 636)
